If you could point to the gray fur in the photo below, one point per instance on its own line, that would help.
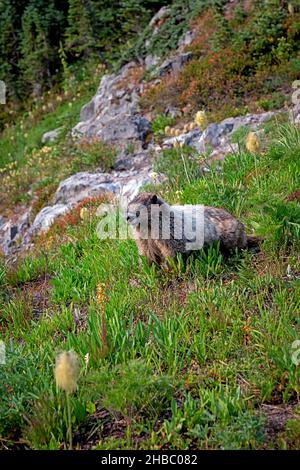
(219, 225)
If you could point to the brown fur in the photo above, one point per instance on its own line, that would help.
(219, 225)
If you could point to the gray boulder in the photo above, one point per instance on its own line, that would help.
(51, 136)
(186, 40)
(175, 63)
(11, 232)
(151, 61)
(163, 13)
(113, 114)
(84, 185)
(46, 217)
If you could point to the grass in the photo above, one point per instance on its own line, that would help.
(189, 358)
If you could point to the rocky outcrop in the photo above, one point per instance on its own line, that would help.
(13, 231)
(175, 63)
(113, 114)
(217, 137)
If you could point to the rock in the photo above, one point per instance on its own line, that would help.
(214, 135)
(51, 136)
(84, 185)
(11, 232)
(151, 61)
(295, 115)
(143, 127)
(186, 40)
(1, 220)
(217, 136)
(175, 63)
(163, 13)
(135, 161)
(46, 217)
(173, 112)
(190, 138)
(87, 111)
(114, 114)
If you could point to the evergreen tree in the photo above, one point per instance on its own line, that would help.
(79, 33)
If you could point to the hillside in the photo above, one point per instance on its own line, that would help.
(199, 104)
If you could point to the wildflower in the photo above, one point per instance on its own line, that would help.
(84, 213)
(291, 9)
(87, 359)
(66, 375)
(101, 294)
(252, 143)
(172, 132)
(192, 126)
(167, 130)
(101, 299)
(201, 119)
(176, 144)
(67, 371)
(177, 132)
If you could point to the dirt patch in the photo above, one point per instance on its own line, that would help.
(295, 196)
(277, 417)
(103, 425)
(38, 294)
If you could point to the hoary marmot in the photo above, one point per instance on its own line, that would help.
(161, 231)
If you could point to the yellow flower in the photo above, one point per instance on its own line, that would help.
(101, 294)
(291, 9)
(252, 143)
(84, 213)
(201, 119)
(176, 144)
(177, 133)
(67, 371)
(167, 130)
(192, 126)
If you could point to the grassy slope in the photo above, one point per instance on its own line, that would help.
(195, 357)
(179, 359)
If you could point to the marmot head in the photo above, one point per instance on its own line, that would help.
(139, 209)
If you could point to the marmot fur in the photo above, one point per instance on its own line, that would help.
(216, 225)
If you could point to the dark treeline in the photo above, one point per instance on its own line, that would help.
(39, 38)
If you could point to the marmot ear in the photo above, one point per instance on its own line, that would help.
(154, 199)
